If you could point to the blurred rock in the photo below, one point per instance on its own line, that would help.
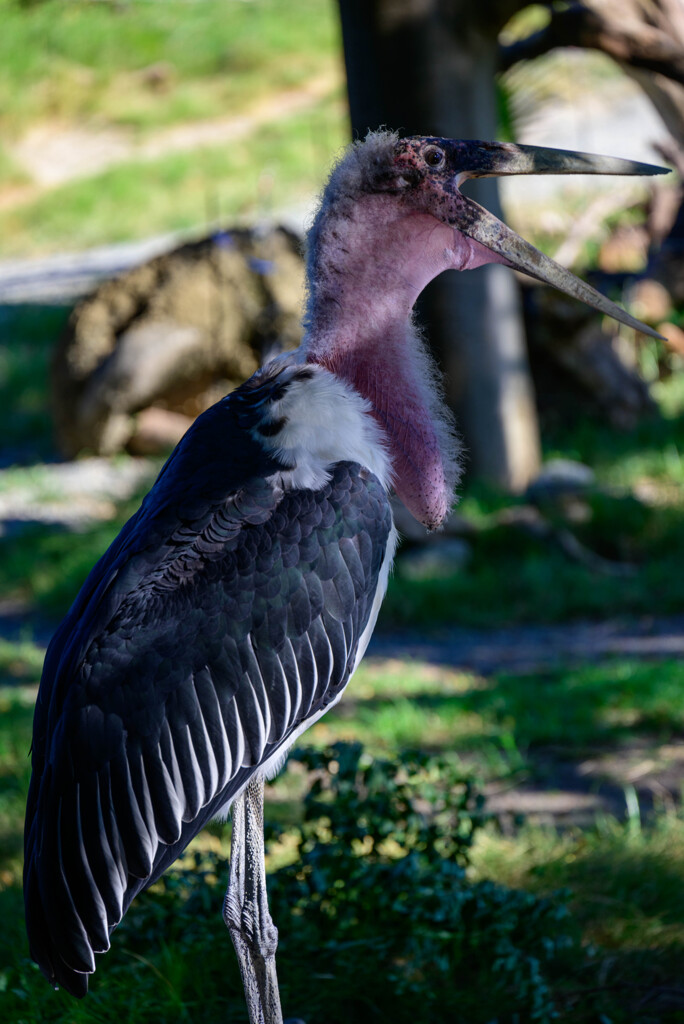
(439, 560)
(560, 477)
(175, 333)
(157, 431)
(158, 77)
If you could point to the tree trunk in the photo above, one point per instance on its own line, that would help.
(426, 67)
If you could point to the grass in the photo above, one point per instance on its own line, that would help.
(10, 172)
(282, 163)
(626, 889)
(87, 61)
(626, 880)
(125, 71)
(591, 706)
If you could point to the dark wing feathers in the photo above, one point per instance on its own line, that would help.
(210, 632)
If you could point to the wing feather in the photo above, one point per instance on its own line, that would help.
(215, 729)
(170, 761)
(104, 854)
(166, 807)
(201, 645)
(79, 952)
(88, 895)
(130, 824)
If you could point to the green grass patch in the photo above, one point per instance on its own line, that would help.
(21, 662)
(626, 886)
(16, 716)
(499, 722)
(148, 64)
(10, 172)
(281, 163)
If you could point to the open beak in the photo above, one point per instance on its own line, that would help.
(487, 159)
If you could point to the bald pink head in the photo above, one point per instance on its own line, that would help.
(370, 258)
(391, 219)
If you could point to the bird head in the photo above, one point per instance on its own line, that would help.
(393, 217)
(423, 176)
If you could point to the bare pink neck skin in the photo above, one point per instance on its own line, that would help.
(372, 266)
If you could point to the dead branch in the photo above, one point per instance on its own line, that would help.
(629, 41)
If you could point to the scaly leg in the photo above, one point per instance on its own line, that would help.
(245, 908)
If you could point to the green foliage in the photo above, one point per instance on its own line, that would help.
(27, 338)
(376, 913)
(379, 889)
(384, 898)
(627, 884)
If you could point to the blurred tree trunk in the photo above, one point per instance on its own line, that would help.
(427, 67)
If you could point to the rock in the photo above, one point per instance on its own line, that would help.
(157, 431)
(438, 560)
(560, 477)
(158, 77)
(176, 333)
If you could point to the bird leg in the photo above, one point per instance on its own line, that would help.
(245, 908)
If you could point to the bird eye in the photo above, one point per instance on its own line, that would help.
(433, 156)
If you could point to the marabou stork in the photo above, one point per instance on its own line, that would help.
(232, 609)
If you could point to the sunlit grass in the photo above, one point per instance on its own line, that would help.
(282, 163)
(393, 705)
(147, 64)
(10, 172)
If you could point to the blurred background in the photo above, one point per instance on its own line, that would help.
(507, 766)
